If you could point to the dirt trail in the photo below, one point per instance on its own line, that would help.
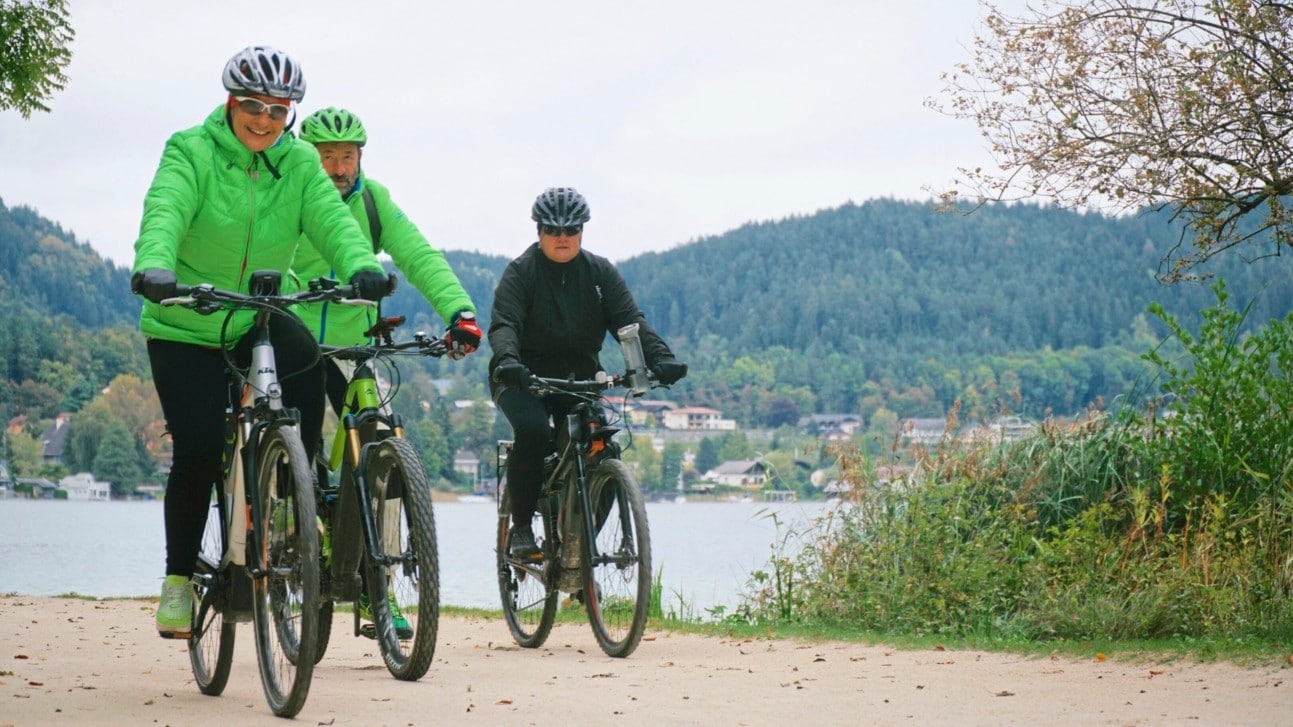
(68, 661)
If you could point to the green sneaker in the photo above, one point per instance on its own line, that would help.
(403, 629)
(175, 608)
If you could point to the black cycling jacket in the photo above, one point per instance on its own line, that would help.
(553, 317)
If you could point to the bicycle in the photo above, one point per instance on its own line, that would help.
(380, 515)
(258, 562)
(610, 573)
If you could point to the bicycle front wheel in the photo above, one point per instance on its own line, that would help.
(286, 589)
(528, 605)
(617, 583)
(211, 643)
(404, 594)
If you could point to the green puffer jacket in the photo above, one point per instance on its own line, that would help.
(216, 213)
(418, 262)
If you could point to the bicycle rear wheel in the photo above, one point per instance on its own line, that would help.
(528, 605)
(405, 521)
(617, 584)
(286, 592)
(211, 645)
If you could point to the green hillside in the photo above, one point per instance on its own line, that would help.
(884, 305)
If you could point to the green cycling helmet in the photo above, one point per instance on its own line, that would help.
(333, 125)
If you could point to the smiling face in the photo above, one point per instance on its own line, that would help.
(257, 132)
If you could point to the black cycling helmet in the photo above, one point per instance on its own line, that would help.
(266, 71)
(560, 207)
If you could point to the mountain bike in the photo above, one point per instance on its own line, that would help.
(259, 556)
(586, 490)
(381, 523)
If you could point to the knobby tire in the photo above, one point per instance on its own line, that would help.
(286, 595)
(617, 587)
(405, 519)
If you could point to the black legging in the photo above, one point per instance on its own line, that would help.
(192, 386)
(531, 419)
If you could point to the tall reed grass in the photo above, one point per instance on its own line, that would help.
(1177, 521)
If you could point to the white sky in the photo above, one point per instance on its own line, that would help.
(675, 119)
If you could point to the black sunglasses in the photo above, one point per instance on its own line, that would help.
(568, 231)
(256, 107)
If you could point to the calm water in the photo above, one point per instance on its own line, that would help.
(704, 551)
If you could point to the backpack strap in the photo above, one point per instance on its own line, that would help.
(374, 222)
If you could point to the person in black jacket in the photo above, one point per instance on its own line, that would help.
(552, 310)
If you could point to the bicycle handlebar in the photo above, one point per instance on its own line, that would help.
(422, 345)
(542, 386)
(206, 298)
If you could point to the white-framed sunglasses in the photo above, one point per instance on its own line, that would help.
(256, 107)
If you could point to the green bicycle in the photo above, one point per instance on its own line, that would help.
(382, 553)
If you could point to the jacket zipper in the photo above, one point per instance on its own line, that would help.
(253, 175)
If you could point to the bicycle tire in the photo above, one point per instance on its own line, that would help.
(212, 640)
(402, 510)
(326, 609)
(286, 594)
(529, 606)
(617, 587)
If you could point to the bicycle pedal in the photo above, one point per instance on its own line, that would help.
(368, 631)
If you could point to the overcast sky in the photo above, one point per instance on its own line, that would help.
(676, 120)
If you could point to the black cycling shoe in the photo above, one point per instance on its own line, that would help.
(523, 546)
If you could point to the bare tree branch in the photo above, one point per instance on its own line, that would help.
(1126, 104)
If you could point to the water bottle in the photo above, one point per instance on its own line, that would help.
(634, 361)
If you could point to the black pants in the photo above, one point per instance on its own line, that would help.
(531, 419)
(193, 389)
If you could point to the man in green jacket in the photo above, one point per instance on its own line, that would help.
(230, 197)
(339, 137)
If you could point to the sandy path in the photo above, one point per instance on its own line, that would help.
(66, 661)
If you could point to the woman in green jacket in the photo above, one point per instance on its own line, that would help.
(230, 197)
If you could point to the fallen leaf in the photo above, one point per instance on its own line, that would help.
(1004, 693)
(503, 701)
(1100, 657)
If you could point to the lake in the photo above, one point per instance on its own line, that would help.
(704, 552)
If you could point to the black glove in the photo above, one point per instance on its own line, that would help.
(512, 374)
(463, 334)
(155, 284)
(370, 284)
(668, 372)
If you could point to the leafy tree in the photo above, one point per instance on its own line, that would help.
(117, 460)
(671, 464)
(24, 454)
(1179, 105)
(80, 393)
(706, 455)
(34, 53)
(736, 445)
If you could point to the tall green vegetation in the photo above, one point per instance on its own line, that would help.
(1175, 523)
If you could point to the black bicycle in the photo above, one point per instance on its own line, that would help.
(381, 522)
(259, 558)
(586, 490)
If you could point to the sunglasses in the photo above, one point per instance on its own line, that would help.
(256, 107)
(568, 231)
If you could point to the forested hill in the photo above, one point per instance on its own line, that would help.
(44, 270)
(900, 277)
(882, 304)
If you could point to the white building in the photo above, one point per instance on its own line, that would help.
(697, 418)
(83, 486)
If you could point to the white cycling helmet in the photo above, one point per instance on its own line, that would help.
(266, 71)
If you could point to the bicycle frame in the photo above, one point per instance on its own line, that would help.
(364, 422)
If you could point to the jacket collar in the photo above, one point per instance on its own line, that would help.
(217, 125)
